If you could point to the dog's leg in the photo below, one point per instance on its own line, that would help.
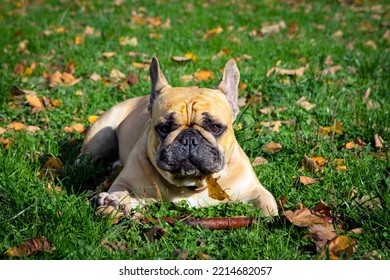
(264, 200)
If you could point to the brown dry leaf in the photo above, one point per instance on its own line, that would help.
(331, 70)
(215, 190)
(116, 75)
(56, 189)
(69, 80)
(113, 246)
(337, 128)
(368, 202)
(32, 128)
(379, 142)
(328, 60)
(358, 143)
(303, 217)
(307, 180)
(305, 104)
(52, 167)
(16, 126)
(313, 164)
(338, 34)
(322, 234)
(2, 130)
(95, 77)
(92, 119)
(108, 54)
(272, 147)
(259, 161)
(287, 72)
(55, 79)
(56, 102)
(268, 28)
(5, 142)
(267, 110)
(155, 233)
(342, 247)
(30, 246)
(276, 126)
(204, 75)
(90, 31)
(35, 102)
(212, 32)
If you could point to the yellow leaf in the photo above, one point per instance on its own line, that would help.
(60, 29)
(204, 75)
(337, 128)
(143, 66)
(78, 40)
(56, 102)
(313, 163)
(215, 190)
(127, 41)
(212, 32)
(92, 119)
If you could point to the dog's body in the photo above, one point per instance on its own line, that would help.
(173, 140)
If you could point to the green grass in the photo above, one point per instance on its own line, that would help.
(67, 220)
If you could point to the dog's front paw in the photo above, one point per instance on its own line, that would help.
(109, 204)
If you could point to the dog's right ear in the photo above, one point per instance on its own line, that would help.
(158, 81)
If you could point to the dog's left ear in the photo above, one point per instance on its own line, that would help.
(229, 85)
(158, 80)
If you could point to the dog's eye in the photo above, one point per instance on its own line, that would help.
(163, 129)
(216, 128)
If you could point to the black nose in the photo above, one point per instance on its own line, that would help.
(189, 138)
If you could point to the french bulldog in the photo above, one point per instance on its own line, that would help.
(171, 143)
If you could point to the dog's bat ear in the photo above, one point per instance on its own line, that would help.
(229, 85)
(158, 80)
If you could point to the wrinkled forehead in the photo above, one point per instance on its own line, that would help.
(192, 103)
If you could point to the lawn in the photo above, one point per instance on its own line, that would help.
(314, 80)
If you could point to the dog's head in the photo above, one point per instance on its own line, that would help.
(191, 134)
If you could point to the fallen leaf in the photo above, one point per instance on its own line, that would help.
(313, 163)
(338, 34)
(95, 77)
(307, 180)
(305, 104)
(322, 234)
(90, 31)
(268, 29)
(32, 128)
(16, 126)
(204, 75)
(303, 217)
(2, 130)
(212, 32)
(113, 246)
(108, 54)
(155, 233)
(371, 44)
(331, 70)
(215, 190)
(187, 78)
(141, 65)
(30, 246)
(181, 58)
(116, 75)
(288, 72)
(180, 254)
(56, 102)
(259, 161)
(5, 142)
(55, 79)
(92, 119)
(127, 41)
(368, 202)
(272, 147)
(338, 164)
(337, 128)
(75, 127)
(35, 102)
(78, 40)
(342, 247)
(378, 141)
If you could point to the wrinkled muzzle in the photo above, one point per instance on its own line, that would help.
(190, 155)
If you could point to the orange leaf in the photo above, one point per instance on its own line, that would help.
(215, 190)
(16, 126)
(307, 180)
(342, 247)
(337, 128)
(5, 142)
(204, 75)
(35, 102)
(212, 32)
(303, 217)
(55, 79)
(29, 246)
